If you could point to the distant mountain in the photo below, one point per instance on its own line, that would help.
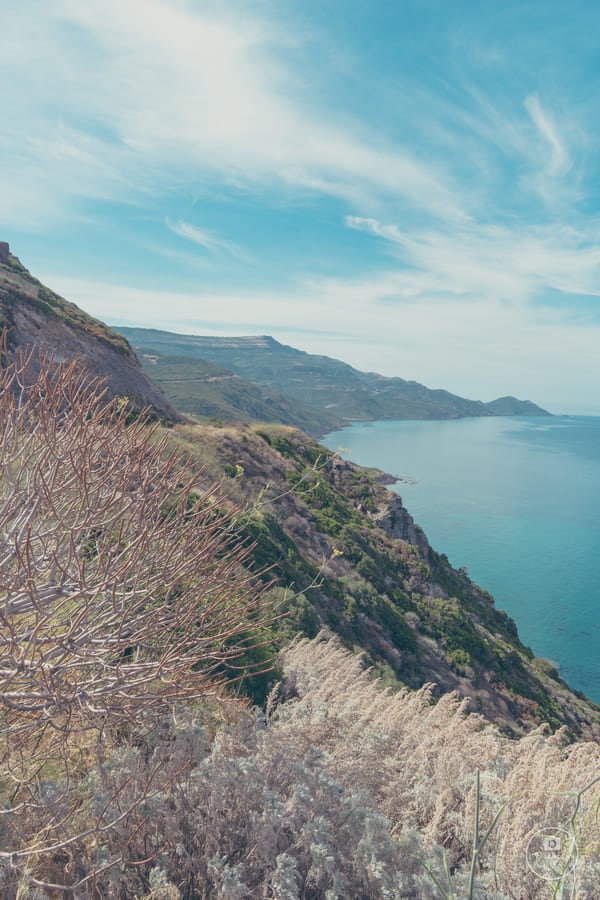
(34, 316)
(321, 382)
(204, 389)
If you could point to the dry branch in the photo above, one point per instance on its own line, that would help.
(122, 590)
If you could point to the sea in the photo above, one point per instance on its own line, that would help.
(516, 501)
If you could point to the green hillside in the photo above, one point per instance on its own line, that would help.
(348, 556)
(322, 382)
(204, 389)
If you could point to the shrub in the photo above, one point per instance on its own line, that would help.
(122, 589)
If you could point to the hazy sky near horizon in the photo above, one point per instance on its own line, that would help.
(411, 186)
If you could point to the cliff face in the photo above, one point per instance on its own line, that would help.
(349, 557)
(393, 518)
(34, 316)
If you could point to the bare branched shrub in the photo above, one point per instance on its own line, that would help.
(121, 588)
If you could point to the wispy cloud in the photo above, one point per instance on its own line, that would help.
(157, 87)
(513, 265)
(152, 95)
(466, 168)
(559, 157)
(208, 240)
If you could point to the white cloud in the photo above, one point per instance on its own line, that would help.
(510, 264)
(151, 94)
(559, 158)
(206, 239)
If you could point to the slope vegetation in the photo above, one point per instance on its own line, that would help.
(208, 391)
(348, 556)
(134, 601)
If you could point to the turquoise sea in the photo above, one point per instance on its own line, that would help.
(516, 501)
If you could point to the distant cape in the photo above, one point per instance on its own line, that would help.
(322, 384)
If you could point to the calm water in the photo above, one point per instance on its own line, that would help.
(516, 501)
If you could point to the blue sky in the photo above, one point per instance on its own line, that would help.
(410, 186)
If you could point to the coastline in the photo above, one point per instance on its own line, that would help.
(483, 499)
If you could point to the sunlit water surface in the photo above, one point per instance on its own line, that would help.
(516, 501)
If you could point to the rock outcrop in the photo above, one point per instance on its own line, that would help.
(34, 316)
(397, 522)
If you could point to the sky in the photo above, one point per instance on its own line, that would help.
(410, 186)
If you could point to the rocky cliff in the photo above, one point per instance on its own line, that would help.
(34, 316)
(349, 557)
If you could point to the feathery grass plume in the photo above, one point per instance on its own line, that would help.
(334, 793)
(420, 760)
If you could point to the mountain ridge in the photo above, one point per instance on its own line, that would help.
(321, 382)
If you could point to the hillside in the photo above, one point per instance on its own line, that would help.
(142, 606)
(345, 552)
(129, 769)
(33, 315)
(349, 557)
(324, 383)
(206, 390)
